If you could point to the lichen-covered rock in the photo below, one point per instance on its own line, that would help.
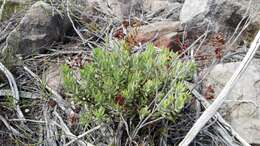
(54, 78)
(41, 26)
(221, 15)
(241, 105)
(218, 13)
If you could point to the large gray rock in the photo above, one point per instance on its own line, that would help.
(163, 9)
(241, 107)
(222, 15)
(216, 12)
(119, 8)
(41, 26)
(194, 10)
(124, 8)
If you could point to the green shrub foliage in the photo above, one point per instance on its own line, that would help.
(118, 84)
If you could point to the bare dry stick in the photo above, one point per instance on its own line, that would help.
(22, 94)
(14, 89)
(9, 127)
(2, 9)
(211, 111)
(240, 23)
(49, 129)
(193, 54)
(73, 25)
(82, 135)
(67, 131)
(27, 120)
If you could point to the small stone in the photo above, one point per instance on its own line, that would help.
(54, 78)
(27, 110)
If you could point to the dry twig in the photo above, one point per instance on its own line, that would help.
(82, 135)
(57, 97)
(65, 128)
(2, 9)
(9, 127)
(14, 89)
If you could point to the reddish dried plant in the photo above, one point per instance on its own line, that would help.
(77, 61)
(119, 34)
(182, 44)
(218, 53)
(120, 100)
(218, 43)
(132, 39)
(133, 23)
(51, 103)
(209, 94)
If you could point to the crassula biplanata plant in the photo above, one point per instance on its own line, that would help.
(120, 84)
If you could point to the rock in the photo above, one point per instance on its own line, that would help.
(163, 8)
(241, 105)
(224, 12)
(252, 30)
(54, 78)
(162, 27)
(116, 7)
(122, 9)
(167, 41)
(194, 10)
(119, 8)
(156, 5)
(248, 129)
(255, 5)
(41, 26)
(176, 10)
(222, 15)
(161, 33)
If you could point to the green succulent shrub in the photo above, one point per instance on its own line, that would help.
(118, 83)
